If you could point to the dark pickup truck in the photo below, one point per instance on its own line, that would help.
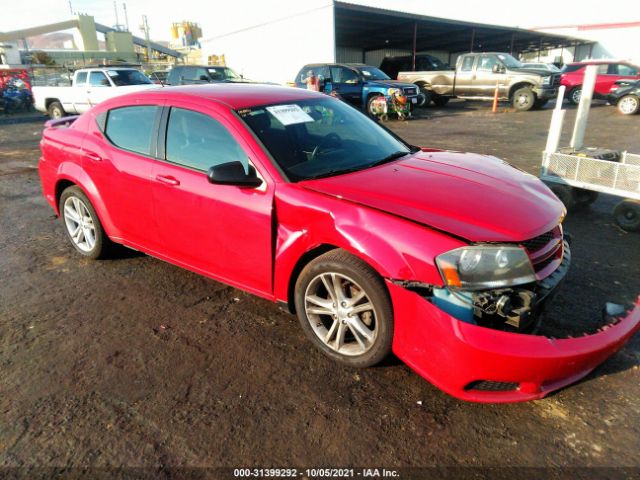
(476, 76)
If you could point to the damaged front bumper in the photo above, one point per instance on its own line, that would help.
(482, 364)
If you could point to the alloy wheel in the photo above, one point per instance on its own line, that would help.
(341, 314)
(79, 223)
(628, 105)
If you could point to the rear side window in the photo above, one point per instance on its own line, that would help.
(467, 64)
(198, 141)
(81, 78)
(132, 128)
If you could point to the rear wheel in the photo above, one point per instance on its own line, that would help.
(629, 105)
(627, 215)
(575, 94)
(345, 309)
(55, 110)
(440, 101)
(523, 99)
(82, 224)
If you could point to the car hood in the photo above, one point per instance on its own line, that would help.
(533, 71)
(390, 84)
(475, 197)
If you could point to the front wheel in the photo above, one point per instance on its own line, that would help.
(82, 224)
(575, 94)
(524, 99)
(345, 310)
(629, 105)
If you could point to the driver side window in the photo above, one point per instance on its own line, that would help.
(487, 62)
(197, 141)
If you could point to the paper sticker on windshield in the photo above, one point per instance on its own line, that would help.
(289, 114)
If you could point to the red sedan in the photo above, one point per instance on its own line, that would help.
(445, 258)
(609, 71)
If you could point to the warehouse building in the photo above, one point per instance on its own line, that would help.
(335, 31)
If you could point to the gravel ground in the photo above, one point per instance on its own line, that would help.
(134, 362)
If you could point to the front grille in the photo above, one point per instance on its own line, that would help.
(555, 81)
(488, 386)
(545, 251)
(410, 91)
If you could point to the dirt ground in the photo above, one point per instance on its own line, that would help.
(134, 362)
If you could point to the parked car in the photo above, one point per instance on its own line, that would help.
(541, 66)
(200, 74)
(356, 83)
(625, 95)
(445, 258)
(477, 75)
(89, 87)
(404, 63)
(609, 72)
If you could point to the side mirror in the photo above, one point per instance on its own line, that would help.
(497, 68)
(233, 173)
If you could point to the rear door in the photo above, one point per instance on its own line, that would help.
(347, 83)
(77, 98)
(465, 75)
(98, 88)
(119, 159)
(223, 231)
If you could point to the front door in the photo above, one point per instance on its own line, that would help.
(223, 231)
(347, 83)
(98, 88)
(485, 80)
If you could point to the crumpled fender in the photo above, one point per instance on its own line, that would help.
(396, 248)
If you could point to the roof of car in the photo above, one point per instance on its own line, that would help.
(603, 61)
(235, 96)
(356, 65)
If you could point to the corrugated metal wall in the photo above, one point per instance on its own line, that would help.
(374, 57)
(348, 55)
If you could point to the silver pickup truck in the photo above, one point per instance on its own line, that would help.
(476, 76)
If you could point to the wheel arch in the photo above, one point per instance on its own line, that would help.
(49, 101)
(516, 86)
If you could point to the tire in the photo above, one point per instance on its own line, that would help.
(424, 97)
(584, 197)
(628, 105)
(90, 241)
(575, 94)
(564, 194)
(524, 99)
(369, 100)
(55, 110)
(440, 101)
(627, 215)
(352, 278)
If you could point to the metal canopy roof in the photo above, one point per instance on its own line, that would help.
(370, 28)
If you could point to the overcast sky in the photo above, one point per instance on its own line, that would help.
(217, 17)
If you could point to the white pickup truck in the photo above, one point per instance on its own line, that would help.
(89, 87)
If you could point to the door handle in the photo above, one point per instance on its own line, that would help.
(92, 156)
(168, 180)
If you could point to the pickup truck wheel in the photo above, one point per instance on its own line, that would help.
(440, 101)
(584, 197)
(55, 110)
(82, 225)
(524, 99)
(575, 94)
(627, 215)
(345, 310)
(370, 100)
(629, 105)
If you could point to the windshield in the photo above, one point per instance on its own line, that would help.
(509, 61)
(223, 73)
(373, 73)
(122, 78)
(321, 137)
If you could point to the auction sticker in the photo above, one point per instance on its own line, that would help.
(289, 114)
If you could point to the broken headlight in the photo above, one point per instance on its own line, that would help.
(480, 267)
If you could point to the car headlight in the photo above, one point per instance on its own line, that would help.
(546, 80)
(391, 91)
(480, 267)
